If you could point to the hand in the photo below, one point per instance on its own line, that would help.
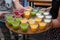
(55, 23)
(16, 0)
(28, 8)
(3, 12)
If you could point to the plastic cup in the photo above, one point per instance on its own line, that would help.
(31, 21)
(48, 17)
(33, 14)
(35, 10)
(46, 13)
(24, 27)
(38, 14)
(47, 20)
(41, 16)
(15, 25)
(27, 14)
(16, 13)
(41, 12)
(18, 19)
(10, 21)
(24, 21)
(42, 25)
(38, 20)
(9, 17)
(34, 27)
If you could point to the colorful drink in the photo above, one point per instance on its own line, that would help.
(38, 14)
(31, 21)
(33, 14)
(41, 16)
(34, 27)
(27, 14)
(10, 22)
(15, 25)
(24, 21)
(38, 20)
(9, 17)
(24, 27)
(16, 13)
(41, 12)
(48, 17)
(42, 25)
(46, 13)
(47, 20)
(18, 19)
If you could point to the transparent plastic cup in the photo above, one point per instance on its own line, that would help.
(24, 27)
(31, 21)
(38, 20)
(27, 14)
(47, 20)
(42, 25)
(24, 21)
(15, 25)
(34, 27)
(18, 19)
(33, 14)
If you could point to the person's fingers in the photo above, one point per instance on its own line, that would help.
(0, 14)
(3, 12)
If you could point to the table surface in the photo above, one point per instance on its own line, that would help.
(29, 30)
(41, 0)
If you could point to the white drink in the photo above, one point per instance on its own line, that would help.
(47, 20)
(48, 17)
(46, 13)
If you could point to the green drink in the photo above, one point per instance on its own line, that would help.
(33, 14)
(18, 19)
(42, 12)
(35, 10)
(24, 27)
(10, 22)
(9, 17)
(15, 25)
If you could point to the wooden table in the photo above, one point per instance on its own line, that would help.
(41, 2)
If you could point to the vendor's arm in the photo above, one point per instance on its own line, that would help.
(56, 22)
(3, 12)
(17, 4)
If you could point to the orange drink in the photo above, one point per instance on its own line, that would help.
(42, 25)
(24, 21)
(31, 21)
(34, 27)
(38, 19)
(27, 14)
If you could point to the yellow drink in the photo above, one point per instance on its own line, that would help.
(24, 21)
(38, 20)
(42, 25)
(34, 27)
(31, 21)
(27, 14)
